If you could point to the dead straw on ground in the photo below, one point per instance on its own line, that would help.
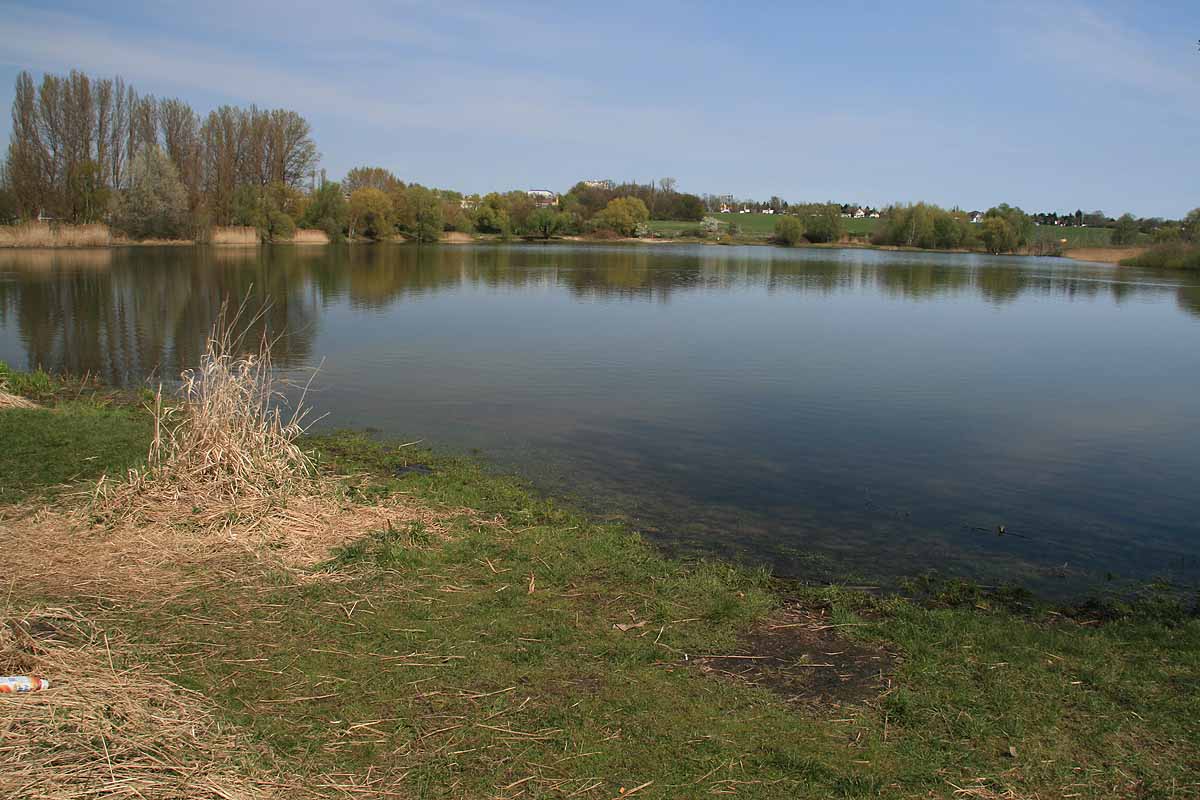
(108, 727)
(13, 401)
(8, 400)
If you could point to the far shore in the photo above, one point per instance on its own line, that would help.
(38, 236)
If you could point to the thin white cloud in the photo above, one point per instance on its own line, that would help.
(1097, 47)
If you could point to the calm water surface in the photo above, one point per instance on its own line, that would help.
(831, 413)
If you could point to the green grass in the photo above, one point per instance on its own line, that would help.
(79, 436)
(1076, 237)
(754, 226)
(485, 658)
(671, 227)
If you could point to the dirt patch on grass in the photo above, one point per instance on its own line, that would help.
(800, 655)
(457, 237)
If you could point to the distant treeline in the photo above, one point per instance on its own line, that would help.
(86, 150)
(79, 145)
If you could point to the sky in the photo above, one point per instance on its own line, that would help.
(1050, 106)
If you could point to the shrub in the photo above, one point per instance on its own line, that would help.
(623, 215)
(822, 222)
(546, 222)
(789, 231)
(1126, 230)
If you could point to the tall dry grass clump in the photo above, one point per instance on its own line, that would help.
(225, 439)
(108, 727)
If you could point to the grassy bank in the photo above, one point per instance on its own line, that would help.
(1173, 255)
(497, 644)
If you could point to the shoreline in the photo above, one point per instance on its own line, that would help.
(448, 629)
(1096, 255)
(54, 389)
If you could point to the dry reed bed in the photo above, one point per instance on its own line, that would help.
(232, 234)
(310, 236)
(108, 728)
(43, 234)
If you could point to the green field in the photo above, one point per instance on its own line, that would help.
(1076, 237)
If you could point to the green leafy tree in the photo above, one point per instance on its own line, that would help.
(1190, 227)
(1126, 230)
(327, 210)
(370, 213)
(280, 225)
(623, 215)
(248, 208)
(372, 178)
(998, 235)
(789, 230)
(491, 217)
(546, 222)
(268, 210)
(1019, 223)
(155, 204)
(425, 222)
(822, 223)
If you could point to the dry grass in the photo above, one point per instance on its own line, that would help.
(233, 234)
(1105, 255)
(43, 234)
(8, 400)
(11, 400)
(107, 727)
(225, 442)
(170, 549)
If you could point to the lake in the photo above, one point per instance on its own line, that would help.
(851, 414)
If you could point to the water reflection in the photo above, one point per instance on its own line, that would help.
(824, 411)
(123, 312)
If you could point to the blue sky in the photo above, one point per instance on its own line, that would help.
(1051, 106)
